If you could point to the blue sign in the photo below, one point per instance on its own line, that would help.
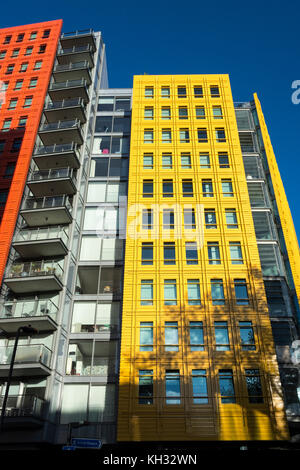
(69, 448)
(87, 443)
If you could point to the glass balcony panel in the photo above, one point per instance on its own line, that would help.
(33, 353)
(23, 406)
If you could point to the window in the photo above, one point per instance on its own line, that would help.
(210, 218)
(191, 252)
(189, 219)
(168, 219)
(167, 163)
(148, 112)
(46, 33)
(221, 335)
(187, 188)
(181, 92)
(171, 336)
(165, 92)
(146, 336)
(148, 136)
(149, 92)
(38, 65)
(173, 387)
(13, 103)
(214, 91)
(7, 40)
(217, 292)
(4, 86)
(236, 253)
(24, 67)
(147, 292)
(27, 102)
(166, 136)
(168, 188)
(241, 292)
(254, 388)
(148, 188)
(220, 134)
(170, 292)
(10, 69)
(183, 112)
(6, 124)
(169, 253)
(227, 188)
(213, 253)
(19, 84)
(33, 35)
(226, 386)
(145, 387)
(184, 136)
(207, 188)
(200, 112)
(199, 383)
(196, 336)
(147, 253)
(198, 92)
(231, 218)
(223, 160)
(2, 54)
(147, 219)
(15, 52)
(202, 135)
(33, 83)
(217, 112)
(28, 50)
(247, 336)
(204, 160)
(9, 170)
(42, 48)
(193, 286)
(148, 161)
(2, 145)
(186, 161)
(16, 145)
(20, 37)
(3, 197)
(166, 112)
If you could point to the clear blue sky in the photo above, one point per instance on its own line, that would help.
(256, 42)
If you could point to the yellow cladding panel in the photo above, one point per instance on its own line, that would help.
(193, 278)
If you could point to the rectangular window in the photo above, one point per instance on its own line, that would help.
(220, 134)
(18, 84)
(183, 112)
(15, 52)
(148, 113)
(33, 35)
(24, 67)
(170, 292)
(193, 286)
(202, 135)
(6, 124)
(169, 253)
(199, 383)
(223, 160)
(168, 219)
(187, 188)
(198, 92)
(217, 112)
(165, 92)
(16, 145)
(148, 188)
(181, 92)
(146, 336)
(214, 91)
(210, 218)
(221, 335)
(9, 170)
(13, 103)
(166, 136)
(149, 92)
(147, 219)
(227, 188)
(191, 252)
(196, 336)
(42, 48)
(204, 160)
(46, 33)
(2, 54)
(38, 65)
(207, 188)
(33, 83)
(200, 112)
(184, 136)
(247, 336)
(147, 253)
(236, 255)
(166, 112)
(171, 336)
(4, 86)
(168, 188)
(145, 387)
(186, 161)
(213, 253)
(148, 136)
(241, 292)
(7, 39)
(167, 162)
(20, 37)
(226, 384)
(147, 292)
(254, 388)
(27, 102)
(10, 69)
(231, 218)
(173, 387)
(28, 50)
(2, 145)
(189, 219)
(217, 292)
(148, 161)
(3, 197)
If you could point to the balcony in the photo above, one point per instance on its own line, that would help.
(23, 411)
(54, 210)
(61, 131)
(41, 242)
(65, 110)
(57, 156)
(30, 360)
(76, 53)
(85, 36)
(40, 314)
(69, 90)
(35, 276)
(72, 71)
(52, 182)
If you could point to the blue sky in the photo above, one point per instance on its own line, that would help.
(256, 42)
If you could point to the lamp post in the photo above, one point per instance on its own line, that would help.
(30, 331)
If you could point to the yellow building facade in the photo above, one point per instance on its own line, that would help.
(197, 355)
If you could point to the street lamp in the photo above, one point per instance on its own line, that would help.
(27, 330)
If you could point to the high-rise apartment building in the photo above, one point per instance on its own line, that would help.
(187, 336)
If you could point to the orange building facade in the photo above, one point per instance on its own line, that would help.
(27, 56)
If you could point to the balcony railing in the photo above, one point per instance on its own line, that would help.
(82, 32)
(26, 354)
(75, 49)
(28, 308)
(60, 125)
(26, 406)
(71, 66)
(36, 268)
(56, 148)
(53, 173)
(42, 233)
(64, 104)
(48, 202)
(68, 84)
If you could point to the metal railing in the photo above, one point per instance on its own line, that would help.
(42, 233)
(60, 125)
(64, 104)
(47, 202)
(26, 353)
(18, 406)
(28, 308)
(75, 49)
(56, 148)
(80, 32)
(71, 66)
(36, 268)
(68, 84)
(53, 173)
